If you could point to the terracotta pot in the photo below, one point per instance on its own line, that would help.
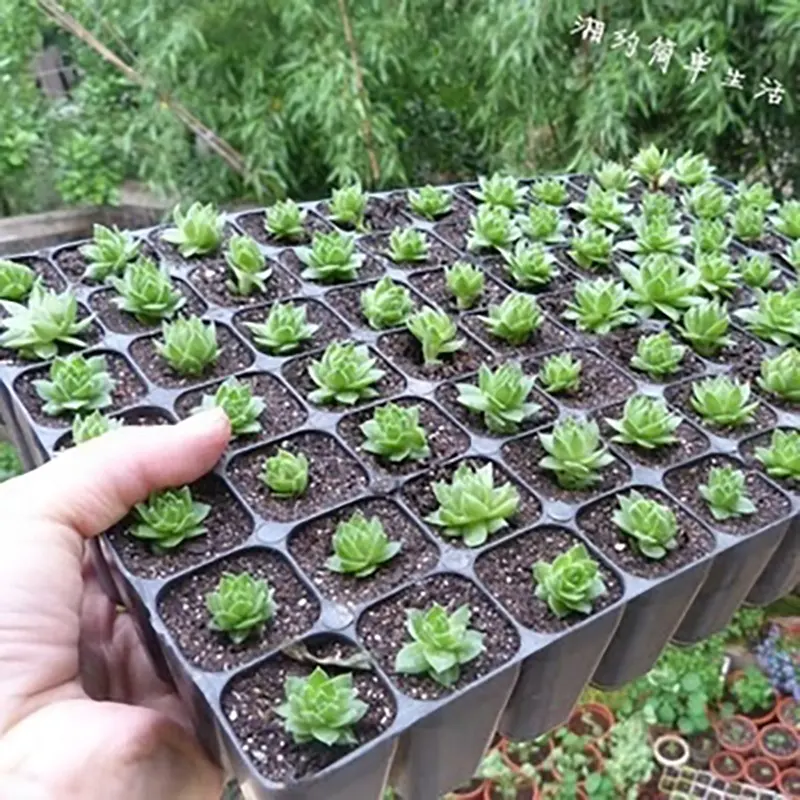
(523, 793)
(727, 766)
(537, 758)
(474, 791)
(666, 759)
(745, 747)
(783, 760)
(761, 771)
(600, 714)
(759, 718)
(789, 712)
(789, 782)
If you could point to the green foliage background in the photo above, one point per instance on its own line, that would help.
(453, 87)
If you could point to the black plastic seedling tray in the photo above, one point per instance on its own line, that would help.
(424, 747)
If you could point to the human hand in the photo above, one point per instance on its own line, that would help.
(83, 715)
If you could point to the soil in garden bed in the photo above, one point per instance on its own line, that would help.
(211, 277)
(382, 628)
(439, 254)
(70, 261)
(744, 351)
(694, 541)
(182, 606)
(234, 356)
(347, 301)
(549, 336)
(311, 546)
(253, 224)
(333, 477)
(381, 214)
(431, 284)
(144, 416)
(370, 268)
(747, 449)
(42, 268)
(506, 573)
(249, 699)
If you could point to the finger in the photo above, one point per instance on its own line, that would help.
(91, 487)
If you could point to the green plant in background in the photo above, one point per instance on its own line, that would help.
(530, 266)
(386, 304)
(776, 317)
(603, 209)
(658, 355)
(435, 332)
(240, 606)
(515, 320)
(646, 422)
(346, 373)
(651, 165)
(781, 459)
(441, 644)
(780, 376)
(189, 345)
(629, 763)
(332, 258)
(748, 223)
(492, 227)
(752, 692)
(723, 401)
(654, 236)
(92, 426)
(167, 519)
(705, 327)
(612, 175)
(506, 783)
(242, 409)
(360, 546)
(708, 201)
(430, 202)
(147, 291)
(321, 709)
(10, 462)
(394, 432)
(16, 280)
(571, 583)
(716, 274)
(710, 236)
(109, 252)
(726, 493)
(757, 271)
(592, 249)
(757, 194)
(76, 384)
(677, 698)
(574, 453)
(660, 284)
(197, 232)
(657, 205)
(471, 507)
(285, 220)
(550, 191)
(465, 282)
(502, 191)
(349, 205)
(284, 330)
(286, 474)
(651, 525)
(599, 306)
(407, 245)
(248, 265)
(691, 169)
(560, 373)
(787, 220)
(543, 224)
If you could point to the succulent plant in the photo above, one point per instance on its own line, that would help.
(650, 164)
(560, 373)
(792, 255)
(321, 709)
(167, 519)
(543, 224)
(705, 327)
(780, 376)
(726, 493)
(394, 432)
(708, 201)
(723, 401)
(653, 237)
(776, 317)
(109, 252)
(346, 373)
(614, 176)
(76, 384)
(49, 319)
(530, 266)
(758, 195)
(436, 332)
(441, 644)
(603, 209)
(657, 205)
(515, 319)
(248, 265)
(781, 459)
(386, 304)
(284, 330)
(465, 282)
(658, 355)
(241, 408)
(284, 220)
(787, 220)
(500, 191)
(492, 227)
(360, 546)
(710, 236)
(660, 284)
(240, 606)
(599, 306)
(574, 453)
(749, 223)
(407, 245)
(592, 249)
(471, 507)
(757, 272)
(286, 474)
(646, 422)
(147, 291)
(349, 205)
(692, 169)
(16, 280)
(197, 232)
(430, 202)
(652, 525)
(570, 583)
(10, 462)
(716, 274)
(550, 191)
(92, 426)
(501, 396)
(189, 345)
(332, 258)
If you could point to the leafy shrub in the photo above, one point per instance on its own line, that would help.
(660, 284)
(787, 220)
(345, 374)
(167, 519)
(726, 493)
(240, 606)
(430, 202)
(723, 401)
(571, 583)
(650, 164)
(705, 327)
(560, 373)
(574, 453)
(189, 345)
(109, 252)
(436, 332)
(599, 306)
(781, 459)
(332, 258)
(394, 432)
(650, 524)
(241, 408)
(780, 375)
(286, 474)
(92, 426)
(386, 304)
(147, 291)
(550, 191)
(360, 546)
(248, 265)
(757, 272)
(708, 201)
(515, 320)
(530, 265)
(592, 248)
(407, 245)
(284, 220)
(753, 692)
(285, 329)
(500, 191)
(76, 384)
(646, 422)
(465, 282)
(197, 232)
(543, 224)
(717, 274)
(348, 206)
(603, 209)
(492, 227)
(776, 317)
(658, 355)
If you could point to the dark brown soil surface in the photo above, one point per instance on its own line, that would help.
(182, 606)
(211, 276)
(382, 214)
(311, 545)
(253, 225)
(597, 524)
(432, 286)
(769, 242)
(347, 301)
(459, 208)
(370, 268)
(248, 703)
(455, 231)
(506, 571)
(744, 352)
(382, 628)
(439, 254)
(549, 336)
(333, 477)
(50, 277)
(748, 452)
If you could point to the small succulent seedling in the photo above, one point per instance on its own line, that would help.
(332, 258)
(775, 317)
(543, 224)
(492, 227)
(471, 507)
(386, 304)
(197, 232)
(550, 191)
(652, 525)
(16, 280)
(574, 453)
(515, 320)
(92, 426)
(708, 201)
(705, 327)
(241, 408)
(661, 285)
(436, 332)
(430, 202)
(613, 176)
(407, 245)
(691, 169)
(76, 384)
(657, 205)
(189, 345)
(501, 396)
(646, 422)
(658, 355)
(716, 274)
(723, 401)
(167, 519)
(530, 266)
(560, 373)
(780, 376)
(654, 236)
(758, 194)
(441, 644)
(360, 546)
(146, 291)
(285, 329)
(465, 282)
(757, 271)
(284, 220)
(787, 220)
(781, 459)
(650, 164)
(49, 319)
(394, 433)
(592, 249)
(240, 606)
(599, 306)
(286, 474)
(710, 236)
(726, 493)
(321, 709)
(748, 223)
(346, 373)
(792, 255)
(603, 209)
(10, 462)
(348, 206)
(570, 583)
(501, 191)
(248, 265)
(109, 252)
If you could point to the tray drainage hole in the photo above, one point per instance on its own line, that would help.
(337, 617)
